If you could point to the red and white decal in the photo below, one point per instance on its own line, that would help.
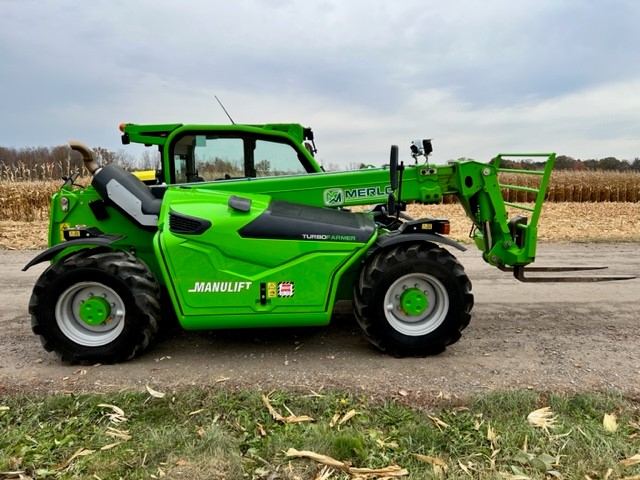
(285, 289)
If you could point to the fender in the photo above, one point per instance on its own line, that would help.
(394, 238)
(50, 253)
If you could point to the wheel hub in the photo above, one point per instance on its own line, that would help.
(90, 314)
(414, 301)
(95, 311)
(416, 304)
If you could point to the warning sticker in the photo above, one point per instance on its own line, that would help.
(272, 290)
(285, 289)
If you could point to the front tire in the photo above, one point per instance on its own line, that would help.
(414, 299)
(96, 306)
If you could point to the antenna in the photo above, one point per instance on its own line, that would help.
(225, 110)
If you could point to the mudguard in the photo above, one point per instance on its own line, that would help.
(50, 253)
(395, 238)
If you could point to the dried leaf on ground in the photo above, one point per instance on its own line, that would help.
(439, 423)
(464, 468)
(110, 446)
(334, 420)
(635, 460)
(542, 418)
(347, 416)
(120, 434)
(116, 415)
(154, 393)
(325, 473)
(81, 452)
(492, 437)
(279, 418)
(610, 423)
(361, 473)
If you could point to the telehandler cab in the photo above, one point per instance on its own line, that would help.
(244, 230)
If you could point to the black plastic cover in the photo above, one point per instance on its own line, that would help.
(149, 203)
(50, 253)
(292, 221)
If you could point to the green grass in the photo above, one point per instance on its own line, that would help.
(226, 434)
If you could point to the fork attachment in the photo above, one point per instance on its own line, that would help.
(519, 274)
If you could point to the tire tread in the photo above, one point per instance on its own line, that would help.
(145, 293)
(375, 268)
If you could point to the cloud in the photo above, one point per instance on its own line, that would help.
(479, 77)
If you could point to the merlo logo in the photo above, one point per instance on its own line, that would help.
(333, 196)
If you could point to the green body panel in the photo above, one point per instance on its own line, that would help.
(219, 278)
(335, 189)
(136, 239)
(298, 277)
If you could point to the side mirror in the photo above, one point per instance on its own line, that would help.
(393, 167)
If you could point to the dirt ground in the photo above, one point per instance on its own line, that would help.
(569, 337)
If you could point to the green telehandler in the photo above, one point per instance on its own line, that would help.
(243, 229)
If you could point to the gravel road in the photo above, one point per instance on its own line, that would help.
(551, 337)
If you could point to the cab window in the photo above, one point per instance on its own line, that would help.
(207, 157)
(274, 159)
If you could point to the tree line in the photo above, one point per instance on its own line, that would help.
(42, 163)
(564, 162)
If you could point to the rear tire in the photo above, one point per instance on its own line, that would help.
(96, 306)
(414, 299)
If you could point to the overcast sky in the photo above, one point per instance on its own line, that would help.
(480, 77)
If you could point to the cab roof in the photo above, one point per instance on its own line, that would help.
(157, 134)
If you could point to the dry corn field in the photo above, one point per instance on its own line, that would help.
(567, 186)
(588, 206)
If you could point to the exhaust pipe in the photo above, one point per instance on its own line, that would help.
(87, 156)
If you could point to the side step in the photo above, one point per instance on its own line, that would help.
(519, 274)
